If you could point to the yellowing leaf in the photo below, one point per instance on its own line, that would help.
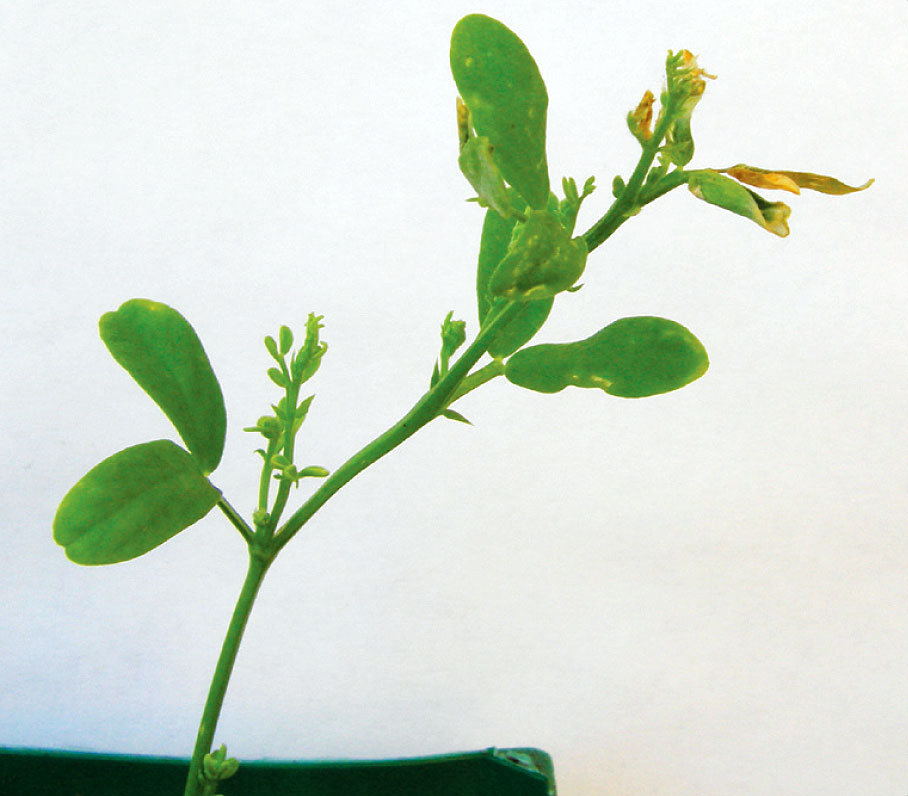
(791, 180)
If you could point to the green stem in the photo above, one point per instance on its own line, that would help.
(662, 186)
(262, 550)
(477, 379)
(238, 522)
(265, 478)
(627, 204)
(425, 410)
(283, 490)
(258, 566)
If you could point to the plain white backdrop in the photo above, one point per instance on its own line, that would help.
(699, 594)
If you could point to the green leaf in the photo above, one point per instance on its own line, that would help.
(496, 237)
(450, 414)
(493, 246)
(286, 337)
(569, 207)
(132, 502)
(542, 260)
(501, 85)
(522, 328)
(271, 345)
(724, 192)
(453, 336)
(479, 167)
(162, 352)
(631, 358)
(278, 377)
(314, 471)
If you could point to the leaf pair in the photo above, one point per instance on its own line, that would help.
(142, 496)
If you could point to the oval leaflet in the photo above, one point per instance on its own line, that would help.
(630, 358)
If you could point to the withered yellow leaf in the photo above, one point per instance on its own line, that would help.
(792, 181)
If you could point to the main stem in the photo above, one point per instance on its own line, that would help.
(262, 552)
(258, 566)
(627, 204)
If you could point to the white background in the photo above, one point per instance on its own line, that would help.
(699, 594)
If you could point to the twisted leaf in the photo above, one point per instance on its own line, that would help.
(715, 188)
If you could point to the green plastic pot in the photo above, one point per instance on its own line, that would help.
(492, 772)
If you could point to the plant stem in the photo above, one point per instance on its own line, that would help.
(626, 205)
(238, 522)
(265, 479)
(477, 379)
(283, 490)
(262, 550)
(258, 566)
(425, 410)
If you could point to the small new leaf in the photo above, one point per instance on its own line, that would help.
(569, 207)
(271, 345)
(314, 471)
(268, 426)
(479, 167)
(286, 337)
(301, 411)
(496, 238)
(278, 377)
(453, 335)
(450, 414)
(216, 766)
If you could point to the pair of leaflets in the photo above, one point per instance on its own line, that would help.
(142, 496)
